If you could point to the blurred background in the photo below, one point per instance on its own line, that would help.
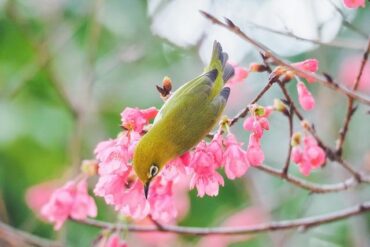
(68, 68)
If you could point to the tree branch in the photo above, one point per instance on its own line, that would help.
(350, 106)
(335, 43)
(328, 82)
(301, 224)
(21, 238)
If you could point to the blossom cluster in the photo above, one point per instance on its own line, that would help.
(307, 154)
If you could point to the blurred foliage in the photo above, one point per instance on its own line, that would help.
(102, 59)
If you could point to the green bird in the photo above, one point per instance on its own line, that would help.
(185, 119)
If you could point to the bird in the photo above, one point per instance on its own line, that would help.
(185, 118)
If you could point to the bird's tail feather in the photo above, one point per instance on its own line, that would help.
(219, 62)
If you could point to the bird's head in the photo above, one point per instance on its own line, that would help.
(146, 166)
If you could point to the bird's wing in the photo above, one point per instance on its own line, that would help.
(198, 87)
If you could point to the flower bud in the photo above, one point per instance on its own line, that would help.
(305, 125)
(165, 90)
(280, 106)
(296, 139)
(256, 67)
(167, 84)
(287, 76)
(89, 167)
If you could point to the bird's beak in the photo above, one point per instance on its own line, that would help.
(146, 189)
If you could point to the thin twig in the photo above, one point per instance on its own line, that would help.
(334, 43)
(301, 224)
(347, 23)
(350, 105)
(229, 25)
(312, 187)
(10, 234)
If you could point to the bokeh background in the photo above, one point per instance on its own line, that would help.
(68, 68)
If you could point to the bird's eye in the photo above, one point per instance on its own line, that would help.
(153, 170)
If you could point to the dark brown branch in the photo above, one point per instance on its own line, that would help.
(287, 161)
(350, 106)
(21, 238)
(243, 113)
(301, 224)
(229, 25)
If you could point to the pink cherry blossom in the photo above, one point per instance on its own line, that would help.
(305, 97)
(112, 187)
(216, 149)
(240, 74)
(133, 203)
(115, 241)
(348, 72)
(353, 4)
(308, 156)
(205, 177)
(135, 119)
(236, 163)
(256, 125)
(310, 65)
(72, 200)
(254, 152)
(162, 206)
(177, 167)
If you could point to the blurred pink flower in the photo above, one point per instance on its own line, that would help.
(135, 119)
(240, 74)
(205, 177)
(305, 97)
(353, 4)
(254, 152)
(154, 239)
(114, 241)
(38, 195)
(310, 65)
(246, 217)
(349, 70)
(308, 156)
(72, 200)
(235, 161)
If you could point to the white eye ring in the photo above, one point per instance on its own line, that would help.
(153, 170)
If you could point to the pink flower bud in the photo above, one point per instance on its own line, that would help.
(236, 163)
(239, 75)
(353, 4)
(305, 98)
(311, 65)
(254, 152)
